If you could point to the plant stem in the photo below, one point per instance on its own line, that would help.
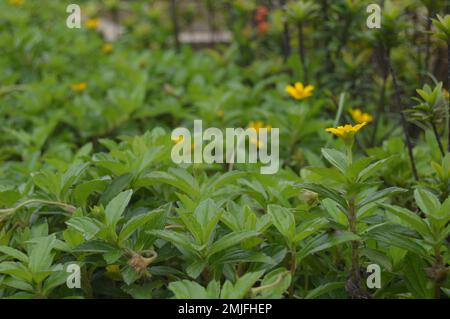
(382, 96)
(67, 207)
(428, 41)
(403, 120)
(349, 153)
(438, 139)
(173, 14)
(448, 90)
(301, 45)
(354, 243)
(280, 277)
(286, 36)
(293, 270)
(438, 265)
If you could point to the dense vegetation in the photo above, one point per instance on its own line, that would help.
(86, 175)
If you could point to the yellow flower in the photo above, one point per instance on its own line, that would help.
(346, 131)
(361, 117)
(16, 2)
(113, 268)
(92, 23)
(257, 142)
(79, 87)
(257, 125)
(178, 140)
(446, 94)
(298, 91)
(220, 113)
(107, 48)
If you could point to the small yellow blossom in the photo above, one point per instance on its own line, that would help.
(220, 113)
(257, 125)
(299, 91)
(92, 23)
(113, 268)
(346, 131)
(107, 48)
(446, 94)
(79, 87)
(361, 117)
(178, 140)
(257, 142)
(16, 2)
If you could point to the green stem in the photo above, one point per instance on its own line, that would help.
(293, 270)
(438, 139)
(67, 207)
(349, 153)
(354, 243)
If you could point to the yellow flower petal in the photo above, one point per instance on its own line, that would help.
(298, 91)
(346, 131)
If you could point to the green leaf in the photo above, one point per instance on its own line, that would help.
(427, 201)
(380, 195)
(117, 185)
(309, 228)
(177, 239)
(336, 158)
(41, 258)
(207, 215)
(278, 280)
(324, 289)
(89, 227)
(14, 253)
(116, 207)
(230, 240)
(186, 289)
(71, 176)
(16, 269)
(373, 168)
(410, 218)
(324, 242)
(54, 280)
(242, 286)
(416, 278)
(326, 192)
(283, 220)
(388, 237)
(95, 247)
(196, 268)
(138, 221)
(18, 284)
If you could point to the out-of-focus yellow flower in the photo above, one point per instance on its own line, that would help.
(220, 113)
(346, 131)
(178, 140)
(257, 142)
(107, 48)
(16, 2)
(361, 117)
(79, 87)
(298, 91)
(257, 125)
(92, 23)
(113, 268)
(446, 94)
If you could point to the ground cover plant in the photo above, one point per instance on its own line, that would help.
(87, 180)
